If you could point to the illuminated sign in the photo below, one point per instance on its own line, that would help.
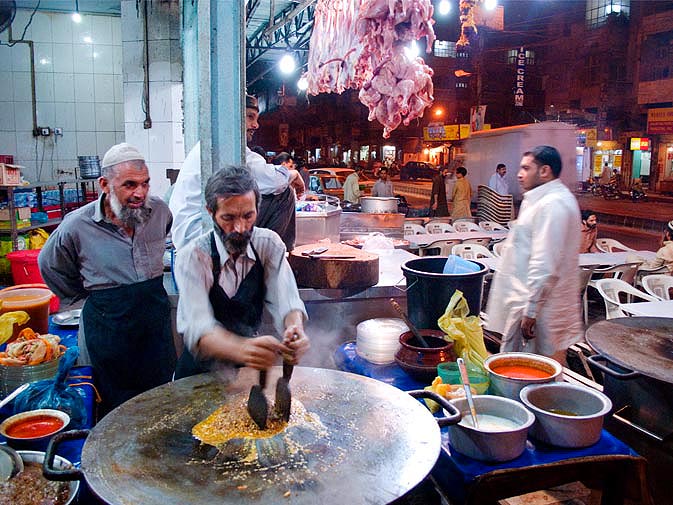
(660, 121)
(449, 132)
(640, 144)
(520, 74)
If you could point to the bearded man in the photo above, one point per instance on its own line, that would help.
(110, 254)
(227, 277)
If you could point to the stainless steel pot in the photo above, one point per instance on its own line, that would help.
(379, 204)
(378, 443)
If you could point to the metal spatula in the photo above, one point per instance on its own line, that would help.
(283, 404)
(258, 407)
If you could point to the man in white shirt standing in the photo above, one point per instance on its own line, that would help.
(273, 181)
(534, 299)
(384, 186)
(497, 182)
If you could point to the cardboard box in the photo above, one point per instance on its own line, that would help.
(21, 213)
(10, 175)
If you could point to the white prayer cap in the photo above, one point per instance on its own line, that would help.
(121, 153)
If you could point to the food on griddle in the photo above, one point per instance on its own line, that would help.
(30, 487)
(232, 421)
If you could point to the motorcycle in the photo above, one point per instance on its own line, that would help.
(638, 195)
(610, 192)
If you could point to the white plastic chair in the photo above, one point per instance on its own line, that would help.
(611, 245)
(658, 285)
(471, 251)
(625, 272)
(439, 227)
(480, 241)
(644, 272)
(497, 248)
(414, 229)
(443, 246)
(612, 289)
(463, 226)
(491, 226)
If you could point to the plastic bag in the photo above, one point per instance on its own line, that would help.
(464, 330)
(56, 394)
(457, 265)
(379, 243)
(37, 238)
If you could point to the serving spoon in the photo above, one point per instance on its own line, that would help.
(468, 392)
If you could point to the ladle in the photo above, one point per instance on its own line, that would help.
(411, 326)
(468, 392)
(13, 394)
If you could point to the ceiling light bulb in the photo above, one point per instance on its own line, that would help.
(287, 65)
(411, 50)
(444, 7)
(87, 39)
(76, 17)
(490, 4)
(302, 84)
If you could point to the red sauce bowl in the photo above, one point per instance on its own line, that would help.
(34, 425)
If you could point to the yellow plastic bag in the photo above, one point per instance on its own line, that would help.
(464, 330)
(37, 238)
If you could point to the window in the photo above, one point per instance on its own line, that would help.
(597, 11)
(461, 84)
(513, 53)
(445, 49)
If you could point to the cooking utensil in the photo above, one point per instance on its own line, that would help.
(283, 404)
(258, 407)
(148, 441)
(468, 392)
(411, 326)
(10, 463)
(68, 318)
(13, 394)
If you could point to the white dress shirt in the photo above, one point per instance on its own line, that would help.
(538, 275)
(194, 277)
(187, 202)
(498, 184)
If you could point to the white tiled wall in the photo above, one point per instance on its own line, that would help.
(163, 144)
(78, 86)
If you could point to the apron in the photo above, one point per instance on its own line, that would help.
(277, 213)
(241, 314)
(129, 339)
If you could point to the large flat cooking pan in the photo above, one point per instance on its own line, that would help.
(378, 443)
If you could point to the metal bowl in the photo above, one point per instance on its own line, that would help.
(567, 415)
(23, 416)
(59, 462)
(509, 387)
(504, 444)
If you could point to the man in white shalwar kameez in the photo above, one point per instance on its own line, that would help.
(534, 301)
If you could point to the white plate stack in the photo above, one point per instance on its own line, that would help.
(379, 339)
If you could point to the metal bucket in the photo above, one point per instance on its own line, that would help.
(89, 167)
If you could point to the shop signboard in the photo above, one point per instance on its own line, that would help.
(640, 144)
(520, 74)
(660, 121)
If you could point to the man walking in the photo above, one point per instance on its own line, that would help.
(110, 253)
(497, 182)
(534, 299)
(462, 195)
(438, 205)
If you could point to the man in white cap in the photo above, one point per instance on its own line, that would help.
(275, 182)
(110, 253)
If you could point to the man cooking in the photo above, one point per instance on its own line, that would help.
(277, 209)
(110, 252)
(534, 299)
(228, 276)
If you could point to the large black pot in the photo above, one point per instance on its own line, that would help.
(378, 443)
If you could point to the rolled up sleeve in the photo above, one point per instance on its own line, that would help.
(59, 267)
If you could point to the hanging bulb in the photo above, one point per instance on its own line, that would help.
(76, 16)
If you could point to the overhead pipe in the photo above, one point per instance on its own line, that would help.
(31, 49)
(147, 123)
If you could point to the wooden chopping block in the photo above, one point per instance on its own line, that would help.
(354, 269)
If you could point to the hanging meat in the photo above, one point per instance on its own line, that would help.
(361, 45)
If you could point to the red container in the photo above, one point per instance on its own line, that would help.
(7, 159)
(25, 271)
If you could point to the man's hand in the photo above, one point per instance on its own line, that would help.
(528, 327)
(297, 183)
(434, 206)
(297, 343)
(260, 352)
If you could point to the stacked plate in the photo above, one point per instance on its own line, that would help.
(379, 339)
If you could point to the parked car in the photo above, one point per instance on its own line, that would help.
(417, 170)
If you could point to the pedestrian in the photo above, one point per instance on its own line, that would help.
(110, 254)
(534, 299)
(438, 204)
(277, 208)
(589, 232)
(352, 185)
(227, 277)
(462, 195)
(497, 182)
(383, 186)
(665, 253)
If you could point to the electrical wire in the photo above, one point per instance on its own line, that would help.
(25, 29)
